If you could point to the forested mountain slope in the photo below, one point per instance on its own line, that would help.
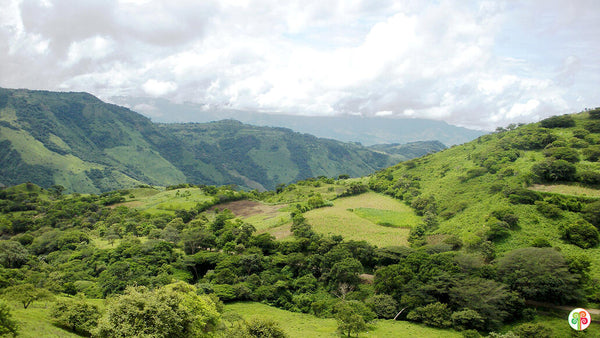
(77, 141)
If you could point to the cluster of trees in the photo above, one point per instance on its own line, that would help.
(216, 256)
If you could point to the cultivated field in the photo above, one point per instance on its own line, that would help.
(376, 218)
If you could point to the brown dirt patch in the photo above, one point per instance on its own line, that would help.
(247, 208)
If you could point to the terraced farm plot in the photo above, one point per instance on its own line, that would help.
(360, 218)
(263, 217)
(305, 325)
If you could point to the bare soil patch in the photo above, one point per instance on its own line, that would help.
(248, 208)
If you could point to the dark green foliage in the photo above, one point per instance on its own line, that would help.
(352, 317)
(594, 113)
(533, 330)
(547, 209)
(592, 153)
(467, 319)
(506, 215)
(563, 121)
(264, 328)
(435, 314)
(554, 170)
(355, 188)
(384, 306)
(13, 254)
(76, 315)
(539, 274)
(582, 234)
(522, 196)
(8, 326)
(563, 153)
(591, 213)
(593, 126)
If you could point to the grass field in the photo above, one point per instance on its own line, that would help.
(154, 201)
(359, 218)
(305, 325)
(35, 321)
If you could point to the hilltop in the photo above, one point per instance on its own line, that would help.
(85, 145)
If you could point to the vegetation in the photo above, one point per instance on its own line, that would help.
(456, 241)
(79, 143)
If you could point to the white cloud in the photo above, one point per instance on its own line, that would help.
(472, 63)
(158, 88)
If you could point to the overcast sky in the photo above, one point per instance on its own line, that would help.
(479, 64)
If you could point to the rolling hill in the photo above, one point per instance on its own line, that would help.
(77, 141)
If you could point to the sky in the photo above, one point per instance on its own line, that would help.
(477, 64)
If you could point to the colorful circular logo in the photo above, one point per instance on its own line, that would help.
(579, 319)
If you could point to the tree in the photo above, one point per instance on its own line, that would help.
(346, 272)
(7, 324)
(174, 310)
(26, 294)
(76, 315)
(553, 170)
(351, 317)
(539, 274)
(12, 254)
(384, 306)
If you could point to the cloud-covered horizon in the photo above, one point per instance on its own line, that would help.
(479, 64)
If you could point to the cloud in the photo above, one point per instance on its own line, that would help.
(477, 63)
(159, 88)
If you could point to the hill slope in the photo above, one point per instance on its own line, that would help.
(86, 145)
(536, 185)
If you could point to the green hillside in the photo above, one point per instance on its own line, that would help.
(410, 150)
(77, 141)
(498, 236)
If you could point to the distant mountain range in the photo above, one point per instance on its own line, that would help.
(86, 145)
(365, 130)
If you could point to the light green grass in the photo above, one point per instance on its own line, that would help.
(341, 219)
(167, 201)
(406, 219)
(35, 322)
(305, 325)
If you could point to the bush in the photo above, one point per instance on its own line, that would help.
(593, 126)
(563, 153)
(434, 314)
(582, 234)
(533, 330)
(589, 177)
(548, 210)
(77, 316)
(554, 170)
(580, 133)
(467, 319)
(7, 324)
(384, 306)
(563, 121)
(264, 328)
(592, 154)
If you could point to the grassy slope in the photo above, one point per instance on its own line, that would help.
(442, 175)
(305, 325)
(357, 218)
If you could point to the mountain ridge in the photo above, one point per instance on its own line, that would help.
(86, 145)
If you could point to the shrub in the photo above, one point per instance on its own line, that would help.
(554, 170)
(580, 133)
(467, 319)
(434, 314)
(533, 330)
(264, 328)
(563, 121)
(384, 306)
(547, 209)
(593, 126)
(589, 177)
(563, 153)
(582, 234)
(7, 324)
(76, 315)
(592, 154)
(594, 113)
